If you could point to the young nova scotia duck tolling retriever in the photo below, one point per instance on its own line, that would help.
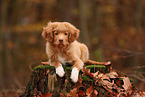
(62, 47)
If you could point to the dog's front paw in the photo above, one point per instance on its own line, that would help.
(74, 74)
(60, 71)
(108, 63)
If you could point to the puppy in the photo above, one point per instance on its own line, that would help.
(62, 48)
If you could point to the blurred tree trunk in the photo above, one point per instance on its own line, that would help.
(96, 35)
(138, 15)
(83, 22)
(65, 8)
(120, 14)
(40, 11)
(137, 27)
(16, 19)
(2, 38)
(2, 21)
(6, 57)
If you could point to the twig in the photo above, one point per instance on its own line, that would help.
(137, 67)
(12, 90)
(17, 82)
(142, 78)
(135, 76)
(130, 53)
(30, 67)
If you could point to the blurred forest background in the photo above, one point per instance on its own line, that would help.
(112, 29)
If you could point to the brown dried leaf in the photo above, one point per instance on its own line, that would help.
(81, 93)
(96, 74)
(112, 74)
(89, 91)
(95, 93)
(110, 91)
(73, 93)
(80, 79)
(127, 85)
(142, 93)
(89, 74)
(86, 71)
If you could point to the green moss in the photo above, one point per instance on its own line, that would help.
(86, 78)
(95, 66)
(67, 67)
(42, 67)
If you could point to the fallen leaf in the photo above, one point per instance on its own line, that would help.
(47, 94)
(110, 91)
(73, 93)
(127, 83)
(89, 91)
(142, 93)
(96, 74)
(95, 93)
(81, 93)
(112, 74)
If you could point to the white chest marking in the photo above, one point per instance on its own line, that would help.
(63, 60)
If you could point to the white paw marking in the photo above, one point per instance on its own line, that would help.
(74, 74)
(60, 71)
(108, 63)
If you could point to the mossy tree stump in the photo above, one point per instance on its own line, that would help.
(94, 80)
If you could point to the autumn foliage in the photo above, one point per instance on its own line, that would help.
(94, 81)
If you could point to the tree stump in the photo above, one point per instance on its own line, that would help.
(94, 81)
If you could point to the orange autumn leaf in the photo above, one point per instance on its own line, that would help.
(89, 91)
(95, 93)
(73, 93)
(47, 94)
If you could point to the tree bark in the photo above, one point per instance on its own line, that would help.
(96, 34)
(83, 22)
(3, 55)
(6, 37)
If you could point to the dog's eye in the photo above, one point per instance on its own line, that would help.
(56, 33)
(65, 33)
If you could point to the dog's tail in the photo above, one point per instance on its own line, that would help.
(45, 63)
(98, 63)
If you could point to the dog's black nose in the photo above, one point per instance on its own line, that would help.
(61, 40)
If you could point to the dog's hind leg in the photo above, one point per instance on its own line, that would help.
(84, 52)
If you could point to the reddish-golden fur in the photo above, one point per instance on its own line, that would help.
(62, 47)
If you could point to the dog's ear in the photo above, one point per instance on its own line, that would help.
(73, 32)
(73, 35)
(47, 33)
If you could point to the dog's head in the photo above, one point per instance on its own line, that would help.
(60, 33)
